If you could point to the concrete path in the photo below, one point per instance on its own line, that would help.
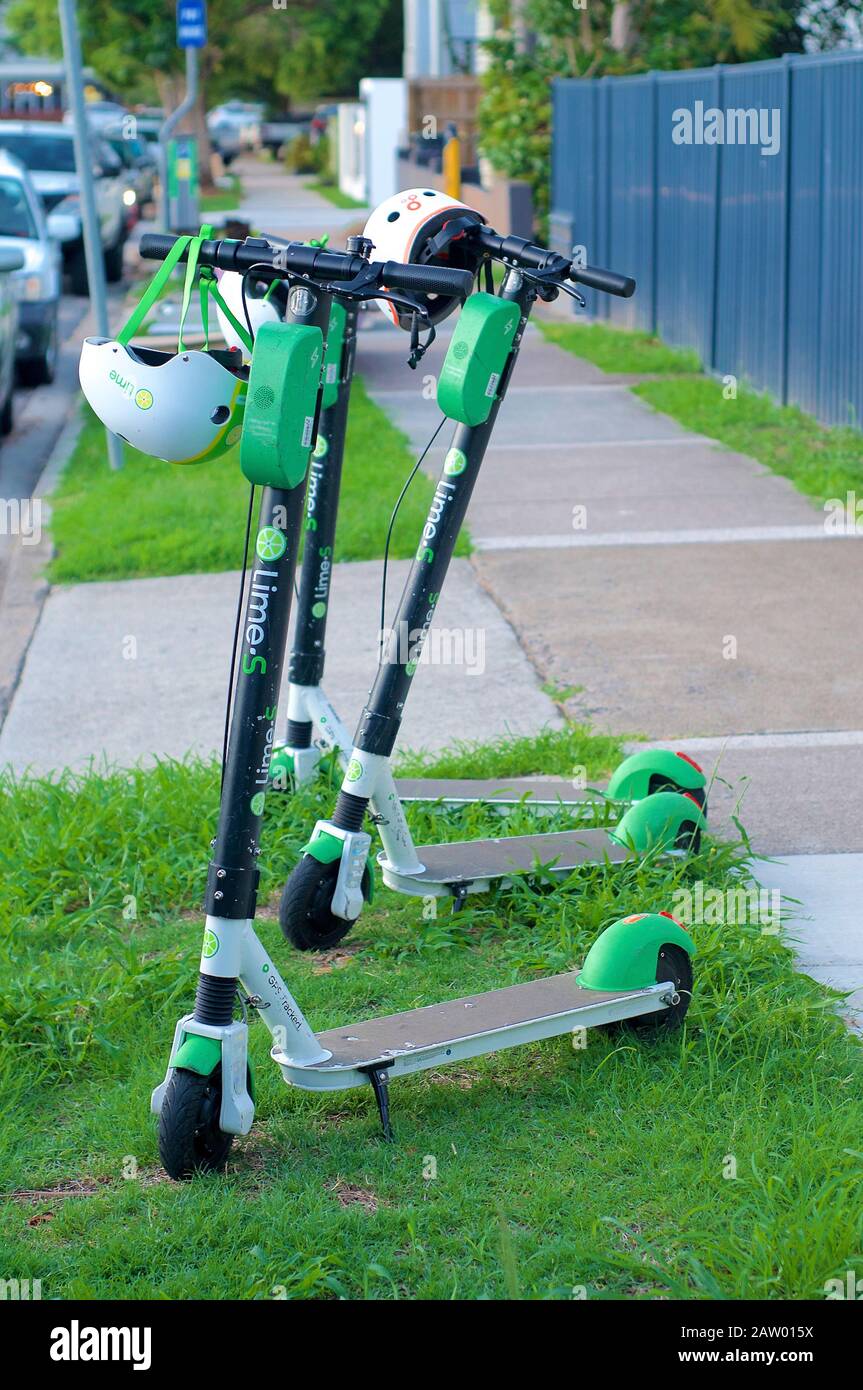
(280, 204)
(161, 648)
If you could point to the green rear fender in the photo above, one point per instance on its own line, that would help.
(625, 956)
(651, 769)
(662, 821)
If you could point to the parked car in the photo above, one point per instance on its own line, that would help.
(235, 126)
(11, 261)
(48, 154)
(276, 134)
(37, 285)
(139, 163)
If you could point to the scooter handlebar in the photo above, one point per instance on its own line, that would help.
(427, 279)
(296, 256)
(606, 280)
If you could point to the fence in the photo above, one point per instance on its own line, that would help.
(753, 257)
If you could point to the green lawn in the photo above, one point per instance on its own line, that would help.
(555, 1169)
(821, 462)
(224, 199)
(155, 518)
(334, 194)
(615, 350)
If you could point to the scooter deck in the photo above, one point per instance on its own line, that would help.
(545, 1007)
(463, 791)
(466, 861)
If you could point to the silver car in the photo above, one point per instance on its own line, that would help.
(47, 151)
(37, 284)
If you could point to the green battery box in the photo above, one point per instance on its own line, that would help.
(333, 354)
(480, 344)
(282, 398)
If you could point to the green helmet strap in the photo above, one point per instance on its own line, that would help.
(207, 286)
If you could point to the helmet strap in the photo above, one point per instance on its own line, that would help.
(152, 292)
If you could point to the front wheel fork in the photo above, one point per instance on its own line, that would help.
(201, 1047)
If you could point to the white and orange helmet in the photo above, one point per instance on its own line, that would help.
(426, 227)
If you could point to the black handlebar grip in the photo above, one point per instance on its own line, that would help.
(154, 246)
(606, 280)
(427, 279)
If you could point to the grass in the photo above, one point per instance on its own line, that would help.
(155, 518)
(822, 462)
(615, 350)
(223, 199)
(540, 1171)
(334, 194)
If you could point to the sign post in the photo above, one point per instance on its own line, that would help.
(182, 210)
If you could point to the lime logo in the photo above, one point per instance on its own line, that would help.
(271, 543)
(318, 610)
(321, 448)
(211, 944)
(455, 462)
(257, 804)
(354, 770)
(410, 668)
(143, 398)
(460, 350)
(265, 969)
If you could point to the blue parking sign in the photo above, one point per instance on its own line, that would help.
(191, 23)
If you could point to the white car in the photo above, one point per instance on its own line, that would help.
(47, 152)
(37, 285)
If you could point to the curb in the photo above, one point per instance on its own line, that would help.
(26, 586)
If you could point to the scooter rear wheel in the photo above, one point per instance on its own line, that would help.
(305, 913)
(674, 965)
(190, 1140)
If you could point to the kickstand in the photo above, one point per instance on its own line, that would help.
(379, 1077)
(459, 896)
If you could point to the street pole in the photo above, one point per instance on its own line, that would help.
(89, 215)
(170, 125)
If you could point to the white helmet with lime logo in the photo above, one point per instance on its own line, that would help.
(426, 227)
(184, 407)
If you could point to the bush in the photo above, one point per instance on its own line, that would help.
(302, 157)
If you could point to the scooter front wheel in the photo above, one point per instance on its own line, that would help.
(306, 911)
(190, 1140)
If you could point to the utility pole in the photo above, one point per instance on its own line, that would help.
(89, 214)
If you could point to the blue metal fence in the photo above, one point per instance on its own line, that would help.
(754, 259)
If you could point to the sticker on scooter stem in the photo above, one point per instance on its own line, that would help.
(257, 804)
(211, 944)
(455, 462)
(271, 543)
(318, 610)
(354, 770)
(321, 448)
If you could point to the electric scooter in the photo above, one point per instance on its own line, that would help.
(638, 971)
(326, 891)
(313, 727)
